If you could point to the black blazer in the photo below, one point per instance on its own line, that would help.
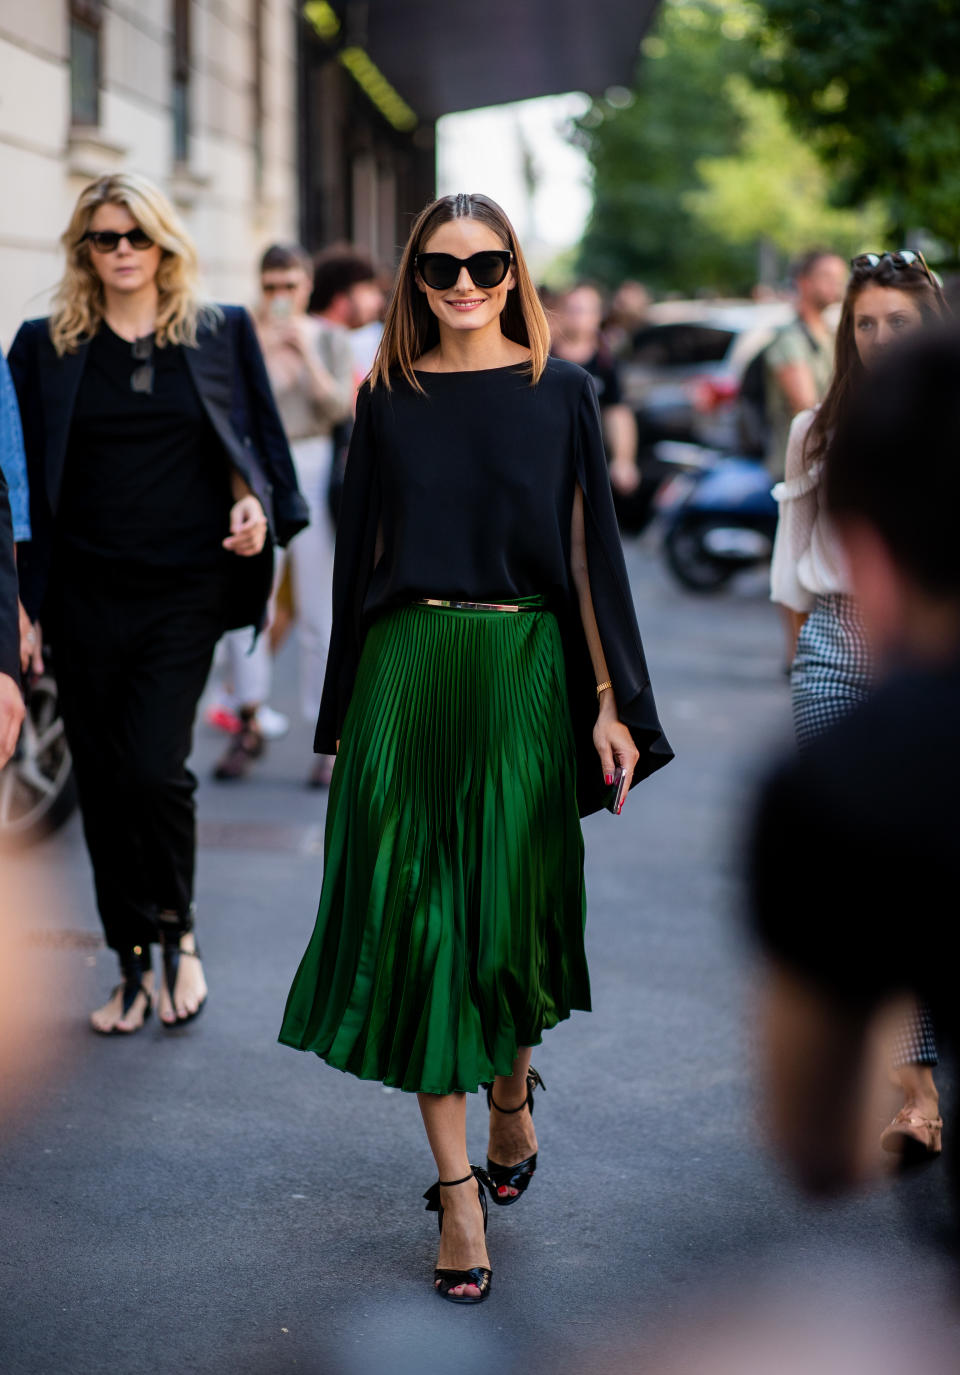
(231, 379)
(9, 619)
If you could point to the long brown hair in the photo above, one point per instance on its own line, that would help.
(411, 327)
(914, 280)
(79, 303)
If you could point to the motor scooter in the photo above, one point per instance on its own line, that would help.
(718, 514)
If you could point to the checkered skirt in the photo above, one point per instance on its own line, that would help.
(832, 674)
(832, 670)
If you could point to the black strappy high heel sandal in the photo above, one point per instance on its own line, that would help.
(172, 931)
(478, 1275)
(135, 964)
(513, 1176)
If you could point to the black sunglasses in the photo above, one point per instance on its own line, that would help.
(108, 240)
(905, 258)
(441, 271)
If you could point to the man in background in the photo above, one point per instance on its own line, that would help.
(347, 292)
(799, 361)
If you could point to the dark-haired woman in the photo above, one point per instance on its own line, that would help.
(485, 676)
(889, 296)
(155, 458)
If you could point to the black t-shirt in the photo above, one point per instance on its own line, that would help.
(606, 378)
(472, 485)
(145, 481)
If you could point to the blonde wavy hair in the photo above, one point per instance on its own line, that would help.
(79, 302)
(411, 328)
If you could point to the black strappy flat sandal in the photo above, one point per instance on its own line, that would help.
(170, 946)
(513, 1176)
(135, 965)
(478, 1275)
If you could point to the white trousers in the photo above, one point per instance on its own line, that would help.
(311, 569)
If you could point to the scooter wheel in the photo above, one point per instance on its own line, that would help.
(690, 562)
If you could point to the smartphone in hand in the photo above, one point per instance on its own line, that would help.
(619, 788)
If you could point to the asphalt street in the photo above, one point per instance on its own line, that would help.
(209, 1201)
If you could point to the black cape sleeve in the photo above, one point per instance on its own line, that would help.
(616, 622)
(357, 524)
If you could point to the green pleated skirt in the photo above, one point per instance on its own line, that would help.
(451, 921)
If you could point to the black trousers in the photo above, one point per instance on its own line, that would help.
(131, 654)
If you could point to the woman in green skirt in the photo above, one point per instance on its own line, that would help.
(485, 688)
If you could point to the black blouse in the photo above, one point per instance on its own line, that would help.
(473, 486)
(145, 481)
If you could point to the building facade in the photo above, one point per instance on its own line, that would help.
(198, 95)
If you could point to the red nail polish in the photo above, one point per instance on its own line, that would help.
(608, 778)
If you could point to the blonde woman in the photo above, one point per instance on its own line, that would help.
(485, 681)
(158, 473)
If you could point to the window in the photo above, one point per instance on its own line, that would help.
(85, 17)
(181, 80)
(681, 345)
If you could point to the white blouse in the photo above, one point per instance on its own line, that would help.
(807, 556)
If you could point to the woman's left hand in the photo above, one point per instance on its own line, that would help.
(248, 528)
(616, 748)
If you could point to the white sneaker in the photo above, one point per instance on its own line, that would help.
(273, 724)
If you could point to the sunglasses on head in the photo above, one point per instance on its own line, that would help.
(905, 258)
(441, 271)
(108, 240)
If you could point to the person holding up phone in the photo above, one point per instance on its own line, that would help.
(310, 365)
(485, 680)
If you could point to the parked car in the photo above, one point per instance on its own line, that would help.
(683, 376)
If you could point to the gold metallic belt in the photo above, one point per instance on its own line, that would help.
(466, 606)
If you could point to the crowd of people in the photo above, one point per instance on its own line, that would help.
(468, 648)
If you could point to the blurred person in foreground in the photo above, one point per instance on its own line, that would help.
(11, 702)
(155, 459)
(576, 337)
(798, 363)
(484, 641)
(889, 297)
(18, 640)
(311, 370)
(874, 801)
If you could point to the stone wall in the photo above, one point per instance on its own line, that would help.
(234, 198)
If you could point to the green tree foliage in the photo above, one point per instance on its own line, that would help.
(876, 86)
(645, 154)
(775, 188)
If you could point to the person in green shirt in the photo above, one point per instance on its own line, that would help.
(799, 361)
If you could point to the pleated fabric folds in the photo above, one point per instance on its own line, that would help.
(451, 919)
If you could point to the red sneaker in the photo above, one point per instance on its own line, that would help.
(222, 719)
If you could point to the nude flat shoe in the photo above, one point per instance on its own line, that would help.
(913, 1137)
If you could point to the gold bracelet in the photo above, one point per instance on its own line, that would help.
(602, 687)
